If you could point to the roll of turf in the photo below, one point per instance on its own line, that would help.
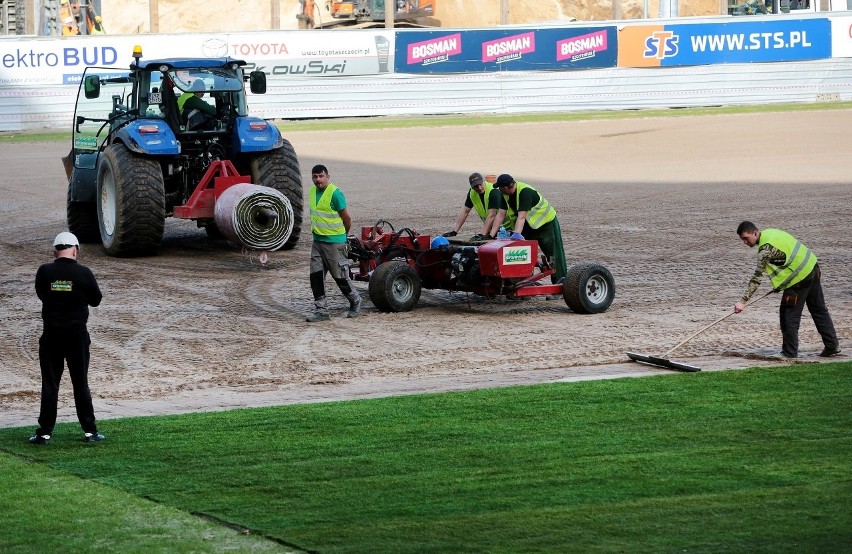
(260, 218)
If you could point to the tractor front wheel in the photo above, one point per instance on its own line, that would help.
(394, 287)
(131, 202)
(589, 288)
(83, 220)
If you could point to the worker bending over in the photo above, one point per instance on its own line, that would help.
(793, 269)
(529, 215)
(484, 199)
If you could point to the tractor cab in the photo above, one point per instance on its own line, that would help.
(221, 88)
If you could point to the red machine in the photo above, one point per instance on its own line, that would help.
(398, 264)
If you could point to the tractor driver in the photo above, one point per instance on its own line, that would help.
(529, 215)
(484, 199)
(197, 113)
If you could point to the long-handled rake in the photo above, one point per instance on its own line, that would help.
(663, 360)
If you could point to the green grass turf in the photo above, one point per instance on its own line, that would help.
(451, 120)
(739, 461)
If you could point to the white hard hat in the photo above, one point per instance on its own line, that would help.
(65, 239)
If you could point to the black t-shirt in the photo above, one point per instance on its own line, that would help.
(66, 290)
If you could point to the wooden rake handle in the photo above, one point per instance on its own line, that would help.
(724, 317)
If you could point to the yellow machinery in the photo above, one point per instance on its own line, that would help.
(73, 17)
(365, 13)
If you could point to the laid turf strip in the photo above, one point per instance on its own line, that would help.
(737, 461)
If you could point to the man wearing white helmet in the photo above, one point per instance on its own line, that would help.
(66, 290)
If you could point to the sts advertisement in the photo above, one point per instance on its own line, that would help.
(781, 40)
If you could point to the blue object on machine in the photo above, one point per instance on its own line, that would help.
(517, 236)
(503, 233)
(439, 242)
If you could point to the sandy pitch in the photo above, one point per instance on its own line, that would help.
(204, 327)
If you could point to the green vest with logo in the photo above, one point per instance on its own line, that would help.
(800, 259)
(324, 220)
(480, 204)
(537, 216)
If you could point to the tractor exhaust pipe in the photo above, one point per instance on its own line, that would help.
(259, 218)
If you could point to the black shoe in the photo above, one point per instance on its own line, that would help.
(93, 437)
(40, 439)
(829, 351)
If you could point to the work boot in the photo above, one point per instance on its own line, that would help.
(354, 308)
(319, 315)
(830, 351)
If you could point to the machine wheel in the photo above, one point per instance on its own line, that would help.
(83, 220)
(131, 202)
(588, 289)
(394, 287)
(279, 169)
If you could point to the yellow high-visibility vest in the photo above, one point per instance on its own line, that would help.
(537, 216)
(800, 259)
(324, 220)
(481, 204)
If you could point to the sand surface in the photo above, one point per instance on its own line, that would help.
(203, 326)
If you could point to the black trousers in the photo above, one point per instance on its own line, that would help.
(55, 347)
(793, 301)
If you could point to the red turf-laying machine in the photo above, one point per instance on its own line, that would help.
(399, 264)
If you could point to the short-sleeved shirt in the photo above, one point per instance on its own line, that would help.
(338, 203)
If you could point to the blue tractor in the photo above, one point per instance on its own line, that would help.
(137, 157)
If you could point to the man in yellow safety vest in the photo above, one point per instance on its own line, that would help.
(529, 215)
(482, 198)
(196, 113)
(793, 269)
(330, 222)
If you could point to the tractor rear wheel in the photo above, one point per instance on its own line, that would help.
(394, 287)
(279, 169)
(83, 220)
(589, 288)
(131, 202)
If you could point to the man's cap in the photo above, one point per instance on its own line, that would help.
(475, 179)
(504, 180)
(198, 85)
(66, 240)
